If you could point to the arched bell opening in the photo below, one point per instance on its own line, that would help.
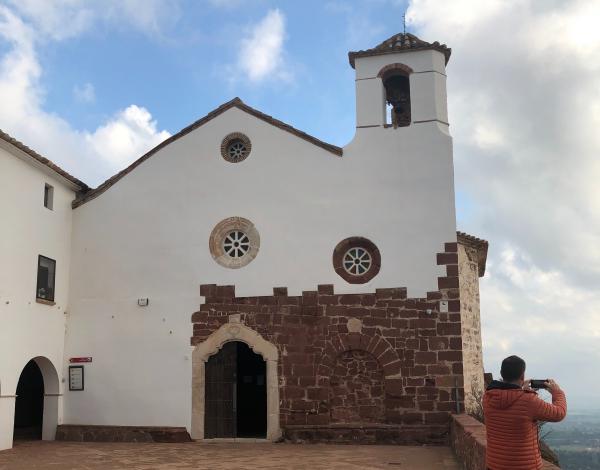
(396, 83)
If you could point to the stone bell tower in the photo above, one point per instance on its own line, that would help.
(401, 83)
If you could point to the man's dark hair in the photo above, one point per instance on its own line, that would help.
(512, 368)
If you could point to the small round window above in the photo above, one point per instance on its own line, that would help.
(357, 260)
(234, 242)
(235, 147)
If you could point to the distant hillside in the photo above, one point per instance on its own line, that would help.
(576, 440)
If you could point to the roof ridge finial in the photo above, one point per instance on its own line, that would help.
(404, 23)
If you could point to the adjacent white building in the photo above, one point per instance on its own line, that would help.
(237, 198)
(35, 254)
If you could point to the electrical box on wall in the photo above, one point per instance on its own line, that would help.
(143, 302)
(443, 306)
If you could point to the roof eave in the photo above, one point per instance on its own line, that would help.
(353, 55)
(237, 103)
(22, 151)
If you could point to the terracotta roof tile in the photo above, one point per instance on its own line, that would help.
(236, 102)
(399, 43)
(43, 160)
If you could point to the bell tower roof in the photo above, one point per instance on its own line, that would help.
(399, 43)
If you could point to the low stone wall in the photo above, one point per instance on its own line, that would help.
(84, 433)
(468, 440)
(367, 433)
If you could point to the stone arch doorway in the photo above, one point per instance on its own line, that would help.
(252, 349)
(235, 393)
(36, 401)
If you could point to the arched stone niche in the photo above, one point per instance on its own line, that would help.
(234, 331)
(356, 389)
(375, 347)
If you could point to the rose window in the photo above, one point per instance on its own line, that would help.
(236, 244)
(235, 147)
(237, 150)
(357, 261)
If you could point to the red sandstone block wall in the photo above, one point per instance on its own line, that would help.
(364, 358)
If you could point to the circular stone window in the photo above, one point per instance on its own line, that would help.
(356, 260)
(235, 147)
(234, 242)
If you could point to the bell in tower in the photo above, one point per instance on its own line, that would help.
(400, 83)
(397, 95)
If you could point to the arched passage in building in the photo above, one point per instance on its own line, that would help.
(36, 401)
(29, 403)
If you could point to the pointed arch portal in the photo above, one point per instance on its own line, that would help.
(233, 359)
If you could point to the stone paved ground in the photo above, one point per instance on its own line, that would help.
(218, 456)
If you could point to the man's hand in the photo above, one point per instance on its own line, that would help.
(527, 386)
(551, 386)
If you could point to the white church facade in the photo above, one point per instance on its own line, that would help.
(237, 279)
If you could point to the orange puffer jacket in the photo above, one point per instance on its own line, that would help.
(511, 416)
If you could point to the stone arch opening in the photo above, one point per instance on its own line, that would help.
(36, 401)
(232, 333)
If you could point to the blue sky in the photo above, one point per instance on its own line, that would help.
(185, 70)
(93, 84)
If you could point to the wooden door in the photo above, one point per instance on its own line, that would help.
(220, 393)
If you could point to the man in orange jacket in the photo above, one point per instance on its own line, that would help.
(511, 410)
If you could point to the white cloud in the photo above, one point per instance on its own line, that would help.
(131, 132)
(524, 106)
(82, 153)
(543, 317)
(62, 19)
(58, 19)
(261, 54)
(85, 93)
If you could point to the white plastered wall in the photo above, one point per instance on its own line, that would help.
(147, 237)
(28, 329)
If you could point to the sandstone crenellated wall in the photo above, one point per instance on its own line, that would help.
(405, 352)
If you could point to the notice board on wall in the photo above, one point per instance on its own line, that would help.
(76, 381)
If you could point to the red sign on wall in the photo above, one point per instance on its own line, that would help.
(74, 360)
